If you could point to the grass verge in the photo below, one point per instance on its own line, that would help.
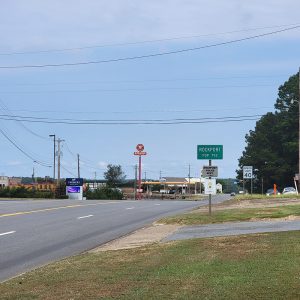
(264, 197)
(264, 266)
(232, 215)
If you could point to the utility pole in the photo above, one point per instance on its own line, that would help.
(189, 179)
(78, 166)
(95, 182)
(54, 148)
(58, 159)
(135, 179)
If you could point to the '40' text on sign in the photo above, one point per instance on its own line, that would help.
(210, 152)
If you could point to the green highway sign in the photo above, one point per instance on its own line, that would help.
(210, 152)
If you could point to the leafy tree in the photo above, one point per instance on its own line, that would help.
(272, 147)
(114, 175)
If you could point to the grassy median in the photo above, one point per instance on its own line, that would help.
(235, 214)
(261, 266)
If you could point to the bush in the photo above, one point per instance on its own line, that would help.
(22, 192)
(104, 193)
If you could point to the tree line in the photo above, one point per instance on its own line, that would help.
(272, 147)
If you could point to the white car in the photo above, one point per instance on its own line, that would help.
(289, 190)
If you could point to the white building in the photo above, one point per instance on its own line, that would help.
(4, 181)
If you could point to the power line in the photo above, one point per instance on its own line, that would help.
(145, 80)
(140, 89)
(144, 42)
(151, 55)
(128, 120)
(253, 118)
(20, 149)
(5, 109)
(141, 111)
(69, 172)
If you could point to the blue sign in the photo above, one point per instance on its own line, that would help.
(73, 189)
(74, 181)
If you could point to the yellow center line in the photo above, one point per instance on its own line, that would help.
(50, 209)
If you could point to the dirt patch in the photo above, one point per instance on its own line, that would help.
(253, 203)
(139, 238)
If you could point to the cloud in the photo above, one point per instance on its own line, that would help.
(35, 24)
(102, 164)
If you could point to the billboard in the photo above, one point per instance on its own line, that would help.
(73, 189)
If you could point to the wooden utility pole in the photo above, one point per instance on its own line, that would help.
(54, 149)
(78, 166)
(58, 158)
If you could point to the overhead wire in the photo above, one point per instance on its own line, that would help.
(142, 111)
(145, 80)
(23, 151)
(139, 89)
(143, 42)
(157, 54)
(5, 109)
(146, 122)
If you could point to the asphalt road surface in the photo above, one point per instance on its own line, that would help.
(232, 228)
(36, 232)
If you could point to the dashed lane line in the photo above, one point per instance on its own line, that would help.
(6, 233)
(52, 209)
(85, 217)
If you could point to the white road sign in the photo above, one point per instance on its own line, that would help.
(247, 172)
(210, 187)
(210, 171)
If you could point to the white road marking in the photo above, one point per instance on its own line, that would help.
(157, 204)
(130, 208)
(6, 233)
(84, 217)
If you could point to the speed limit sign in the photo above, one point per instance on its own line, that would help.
(247, 172)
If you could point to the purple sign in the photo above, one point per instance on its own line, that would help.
(73, 189)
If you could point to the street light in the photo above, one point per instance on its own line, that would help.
(54, 141)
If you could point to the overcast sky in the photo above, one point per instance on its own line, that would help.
(237, 79)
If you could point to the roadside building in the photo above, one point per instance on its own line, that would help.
(219, 188)
(4, 181)
(15, 181)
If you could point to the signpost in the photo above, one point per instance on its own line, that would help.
(247, 174)
(140, 152)
(210, 152)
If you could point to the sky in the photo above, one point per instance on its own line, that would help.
(232, 79)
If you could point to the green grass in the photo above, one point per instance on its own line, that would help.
(260, 196)
(264, 266)
(231, 215)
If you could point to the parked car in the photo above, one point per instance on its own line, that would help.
(289, 190)
(270, 192)
(232, 194)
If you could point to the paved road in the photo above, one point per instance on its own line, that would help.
(35, 232)
(233, 228)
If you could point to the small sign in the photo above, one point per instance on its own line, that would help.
(247, 172)
(210, 187)
(140, 147)
(210, 152)
(210, 171)
(140, 153)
